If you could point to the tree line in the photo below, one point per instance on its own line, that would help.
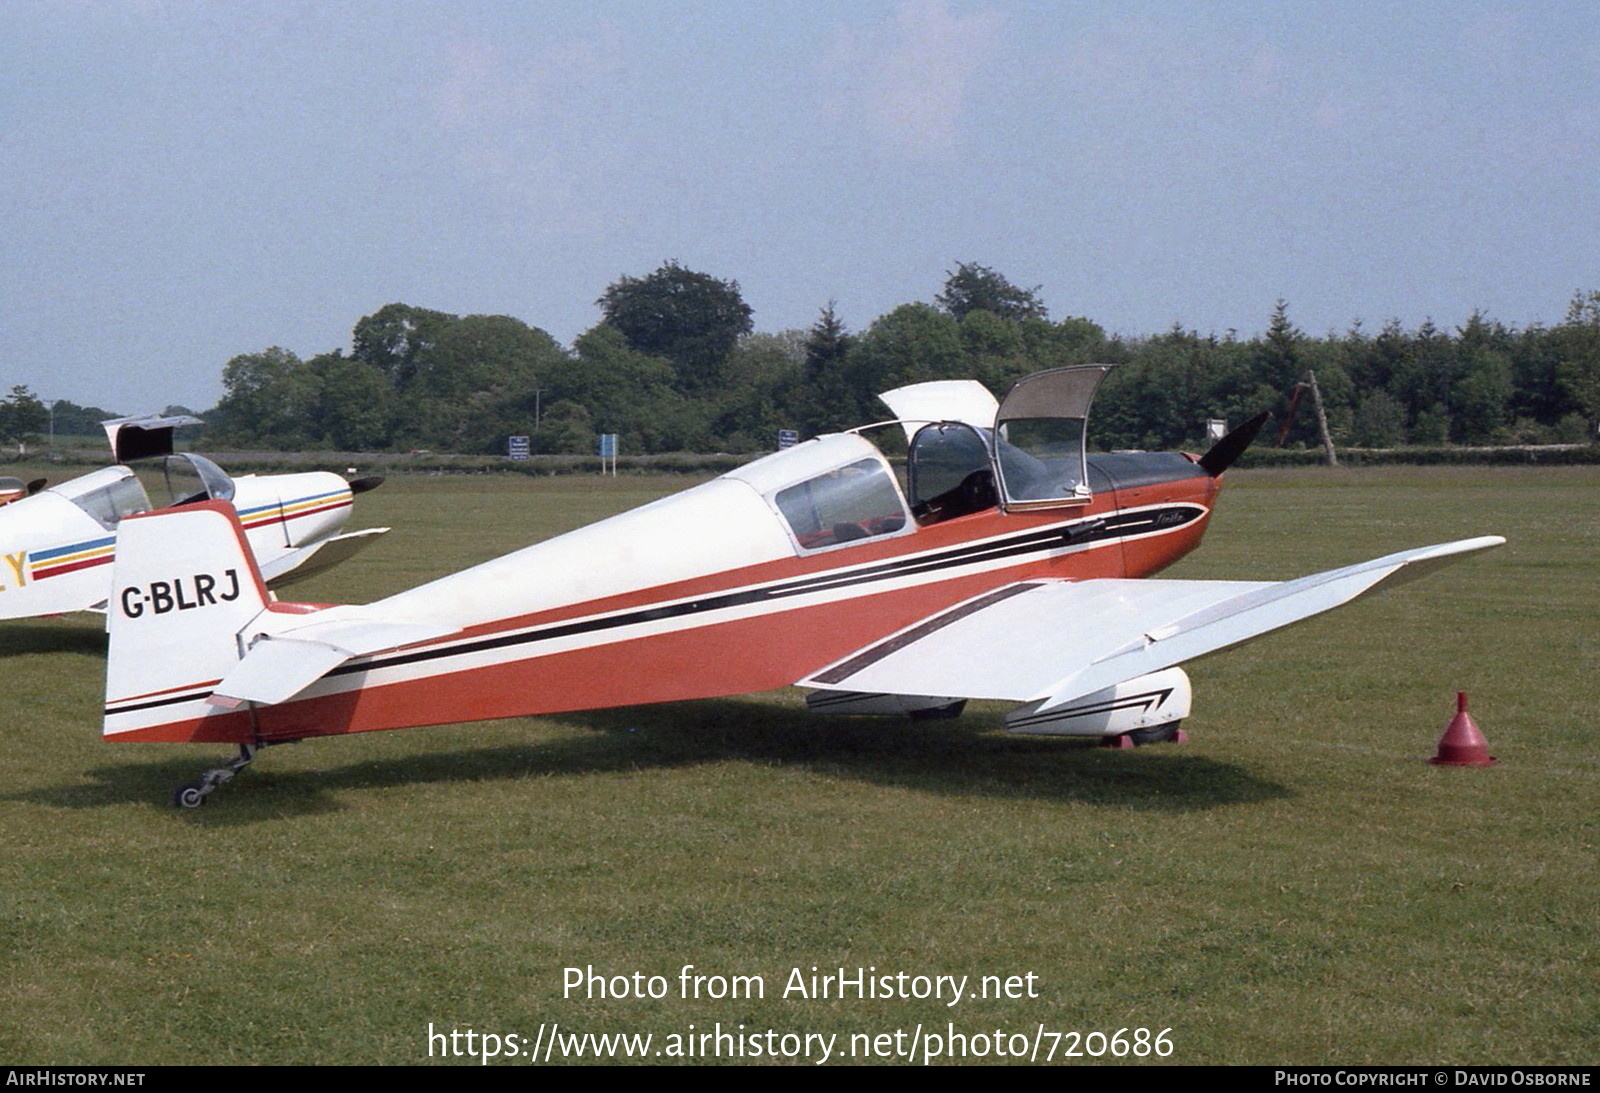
(676, 365)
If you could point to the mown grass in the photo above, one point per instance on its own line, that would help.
(1294, 885)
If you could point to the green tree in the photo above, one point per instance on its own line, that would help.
(269, 400)
(1432, 425)
(761, 379)
(912, 343)
(22, 415)
(69, 419)
(484, 352)
(971, 287)
(456, 383)
(830, 397)
(1279, 356)
(565, 428)
(1480, 399)
(1425, 375)
(356, 404)
(395, 338)
(1537, 391)
(1073, 340)
(692, 319)
(631, 394)
(1380, 421)
(1578, 339)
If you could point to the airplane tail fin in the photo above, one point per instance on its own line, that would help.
(185, 584)
(197, 643)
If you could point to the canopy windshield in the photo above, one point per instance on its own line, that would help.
(829, 491)
(195, 478)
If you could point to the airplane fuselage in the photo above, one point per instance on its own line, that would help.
(714, 591)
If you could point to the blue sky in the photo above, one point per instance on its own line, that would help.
(181, 182)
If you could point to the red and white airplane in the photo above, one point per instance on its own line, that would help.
(1010, 566)
(58, 543)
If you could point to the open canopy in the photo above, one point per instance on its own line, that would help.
(143, 435)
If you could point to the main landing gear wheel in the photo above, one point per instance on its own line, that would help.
(1157, 734)
(939, 713)
(194, 794)
(1168, 733)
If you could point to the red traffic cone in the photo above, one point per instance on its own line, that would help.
(1462, 745)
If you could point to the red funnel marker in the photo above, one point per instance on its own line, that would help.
(1462, 745)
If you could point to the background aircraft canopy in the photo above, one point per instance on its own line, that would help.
(107, 495)
(143, 435)
(193, 477)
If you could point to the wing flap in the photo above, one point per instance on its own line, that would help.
(1052, 642)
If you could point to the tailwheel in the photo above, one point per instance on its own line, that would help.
(194, 794)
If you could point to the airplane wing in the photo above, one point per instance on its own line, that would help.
(1053, 641)
(302, 562)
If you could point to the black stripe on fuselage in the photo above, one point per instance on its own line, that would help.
(1076, 534)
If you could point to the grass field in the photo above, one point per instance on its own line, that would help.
(1294, 885)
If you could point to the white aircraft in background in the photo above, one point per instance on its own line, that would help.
(57, 544)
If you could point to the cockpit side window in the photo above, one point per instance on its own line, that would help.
(110, 503)
(853, 502)
(949, 472)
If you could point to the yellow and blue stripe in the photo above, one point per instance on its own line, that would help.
(262, 515)
(69, 559)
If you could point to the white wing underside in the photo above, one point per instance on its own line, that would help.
(298, 563)
(1054, 641)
